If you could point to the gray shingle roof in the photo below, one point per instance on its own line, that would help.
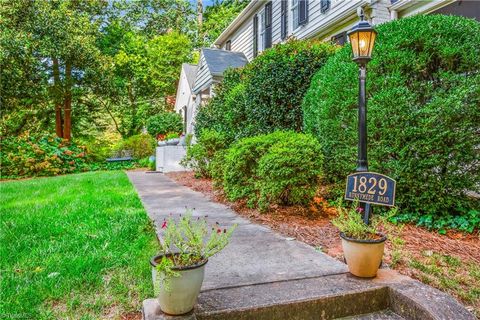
(219, 60)
(190, 73)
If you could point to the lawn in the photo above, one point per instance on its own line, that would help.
(74, 247)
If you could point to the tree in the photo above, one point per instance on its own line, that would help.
(217, 17)
(58, 39)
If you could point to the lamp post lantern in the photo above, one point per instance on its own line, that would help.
(362, 38)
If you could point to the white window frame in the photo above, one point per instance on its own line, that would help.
(261, 30)
(294, 15)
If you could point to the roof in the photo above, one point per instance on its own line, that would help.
(219, 60)
(190, 72)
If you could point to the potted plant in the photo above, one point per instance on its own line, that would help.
(363, 245)
(172, 138)
(179, 269)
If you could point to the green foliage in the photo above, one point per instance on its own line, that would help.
(172, 135)
(141, 145)
(217, 17)
(189, 242)
(62, 236)
(265, 95)
(423, 113)
(349, 221)
(199, 156)
(164, 123)
(467, 221)
(46, 155)
(277, 168)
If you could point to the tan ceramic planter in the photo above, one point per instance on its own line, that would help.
(184, 290)
(363, 256)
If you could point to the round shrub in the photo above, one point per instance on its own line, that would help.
(277, 168)
(266, 95)
(423, 112)
(140, 145)
(163, 123)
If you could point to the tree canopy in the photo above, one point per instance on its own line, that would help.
(79, 67)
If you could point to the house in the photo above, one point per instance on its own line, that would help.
(264, 23)
(184, 102)
(197, 83)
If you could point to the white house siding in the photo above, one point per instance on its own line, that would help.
(341, 15)
(203, 78)
(184, 99)
(242, 40)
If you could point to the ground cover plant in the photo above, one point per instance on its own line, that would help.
(74, 247)
(423, 114)
(266, 95)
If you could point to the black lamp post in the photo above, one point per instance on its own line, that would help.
(362, 39)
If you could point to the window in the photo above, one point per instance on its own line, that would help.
(267, 36)
(299, 13)
(255, 36)
(284, 20)
(340, 38)
(261, 35)
(294, 10)
(228, 45)
(324, 5)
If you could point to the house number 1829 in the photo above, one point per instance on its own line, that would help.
(371, 187)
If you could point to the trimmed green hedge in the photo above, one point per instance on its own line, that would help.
(266, 95)
(277, 168)
(423, 87)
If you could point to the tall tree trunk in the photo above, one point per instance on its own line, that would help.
(67, 106)
(57, 95)
(200, 15)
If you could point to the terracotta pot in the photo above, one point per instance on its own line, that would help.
(363, 256)
(181, 296)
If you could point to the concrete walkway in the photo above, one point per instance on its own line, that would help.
(262, 275)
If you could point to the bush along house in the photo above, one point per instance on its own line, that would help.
(263, 24)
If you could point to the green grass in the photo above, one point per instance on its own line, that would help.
(450, 274)
(74, 246)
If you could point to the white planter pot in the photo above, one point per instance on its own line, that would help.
(183, 290)
(363, 256)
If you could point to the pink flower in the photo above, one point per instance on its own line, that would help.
(360, 209)
(164, 225)
(219, 230)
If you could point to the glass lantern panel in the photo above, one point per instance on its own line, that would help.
(365, 43)
(354, 41)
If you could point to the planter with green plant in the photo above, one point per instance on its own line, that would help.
(172, 138)
(363, 245)
(179, 269)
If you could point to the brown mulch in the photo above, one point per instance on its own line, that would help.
(312, 225)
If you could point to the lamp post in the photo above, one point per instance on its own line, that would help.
(362, 38)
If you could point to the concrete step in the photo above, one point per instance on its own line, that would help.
(380, 315)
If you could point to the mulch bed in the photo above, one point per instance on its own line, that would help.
(312, 226)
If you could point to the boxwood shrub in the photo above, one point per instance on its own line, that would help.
(276, 168)
(423, 87)
(266, 95)
(200, 156)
